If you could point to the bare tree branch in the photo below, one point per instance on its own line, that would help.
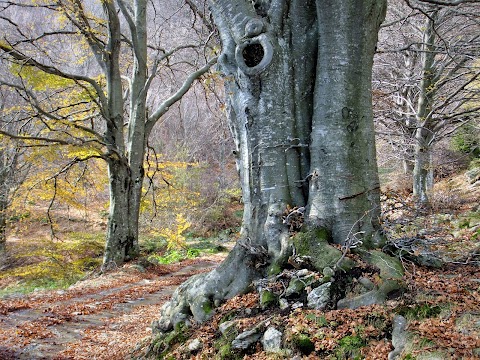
(163, 108)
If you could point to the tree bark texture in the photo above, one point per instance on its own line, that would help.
(423, 168)
(298, 85)
(3, 218)
(122, 227)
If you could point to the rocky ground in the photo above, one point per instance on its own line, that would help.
(437, 316)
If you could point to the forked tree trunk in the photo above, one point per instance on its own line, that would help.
(298, 84)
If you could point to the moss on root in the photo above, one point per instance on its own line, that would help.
(314, 244)
(391, 279)
(162, 343)
(303, 343)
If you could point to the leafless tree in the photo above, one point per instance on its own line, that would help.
(426, 81)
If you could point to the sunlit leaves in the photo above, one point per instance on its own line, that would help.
(75, 186)
(40, 80)
(174, 235)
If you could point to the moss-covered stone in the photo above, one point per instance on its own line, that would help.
(274, 269)
(297, 285)
(390, 267)
(314, 244)
(303, 343)
(162, 344)
(224, 343)
(391, 274)
(267, 298)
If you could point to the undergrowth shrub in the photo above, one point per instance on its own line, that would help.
(205, 197)
(400, 183)
(448, 162)
(174, 256)
(467, 139)
(446, 200)
(174, 235)
(52, 264)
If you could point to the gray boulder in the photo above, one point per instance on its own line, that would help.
(399, 337)
(319, 297)
(272, 340)
(246, 339)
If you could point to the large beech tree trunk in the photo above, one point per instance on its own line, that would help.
(125, 158)
(298, 85)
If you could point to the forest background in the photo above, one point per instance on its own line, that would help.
(54, 199)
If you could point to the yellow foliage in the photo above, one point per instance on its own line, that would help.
(54, 261)
(76, 187)
(40, 80)
(174, 236)
(82, 152)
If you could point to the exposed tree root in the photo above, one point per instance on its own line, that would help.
(196, 298)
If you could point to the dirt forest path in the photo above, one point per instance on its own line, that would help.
(99, 318)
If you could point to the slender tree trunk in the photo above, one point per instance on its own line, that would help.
(423, 171)
(298, 78)
(137, 135)
(3, 201)
(3, 221)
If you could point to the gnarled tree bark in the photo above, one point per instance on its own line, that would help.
(298, 85)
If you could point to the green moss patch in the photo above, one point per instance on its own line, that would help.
(314, 244)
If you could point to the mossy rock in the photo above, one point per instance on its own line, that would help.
(391, 274)
(303, 343)
(267, 298)
(297, 285)
(274, 269)
(314, 244)
(391, 270)
(224, 343)
(162, 344)
(390, 267)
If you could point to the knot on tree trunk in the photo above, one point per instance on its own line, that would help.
(254, 55)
